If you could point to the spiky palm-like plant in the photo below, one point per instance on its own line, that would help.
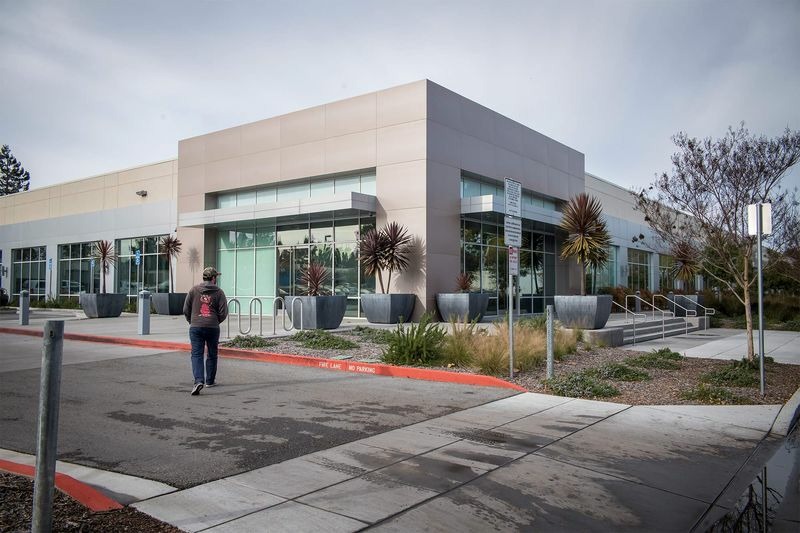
(105, 254)
(314, 277)
(686, 264)
(588, 239)
(171, 247)
(387, 248)
(464, 282)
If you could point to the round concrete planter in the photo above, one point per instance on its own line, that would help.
(102, 305)
(168, 303)
(585, 312)
(319, 312)
(466, 306)
(388, 308)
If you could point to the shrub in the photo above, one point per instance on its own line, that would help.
(791, 325)
(581, 385)
(537, 322)
(250, 341)
(530, 346)
(56, 303)
(737, 374)
(458, 346)
(322, 340)
(712, 395)
(378, 336)
(664, 359)
(417, 344)
(619, 372)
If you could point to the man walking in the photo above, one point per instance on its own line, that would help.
(205, 308)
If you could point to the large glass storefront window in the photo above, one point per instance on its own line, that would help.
(666, 273)
(472, 185)
(29, 272)
(263, 259)
(605, 276)
(75, 269)
(484, 255)
(151, 274)
(638, 269)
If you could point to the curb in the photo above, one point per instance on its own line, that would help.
(87, 496)
(786, 416)
(373, 369)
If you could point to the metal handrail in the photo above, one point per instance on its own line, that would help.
(704, 308)
(642, 315)
(673, 302)
(663, 313)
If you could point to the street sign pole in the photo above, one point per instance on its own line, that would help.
(513, 239)
(760, 301)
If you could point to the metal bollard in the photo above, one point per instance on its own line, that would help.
(144, 312)
(638, 303)
(24, 308)
(47, 438)
(549, 342)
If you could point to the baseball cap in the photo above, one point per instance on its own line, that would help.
(210, 272)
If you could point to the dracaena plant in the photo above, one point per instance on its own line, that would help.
(464, 282)
(687, 265)
(314, 277)
(106, 255)
(588, 239)
(171, 247)
(385, 249)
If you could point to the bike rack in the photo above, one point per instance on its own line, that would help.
(247, 331)
(283, 308)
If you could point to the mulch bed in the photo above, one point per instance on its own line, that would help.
(16, 495)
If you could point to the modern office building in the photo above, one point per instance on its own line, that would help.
(261, 200)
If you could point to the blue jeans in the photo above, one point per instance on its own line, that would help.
(200, 338)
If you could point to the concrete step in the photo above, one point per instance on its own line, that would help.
(651, 333)
(640, 324)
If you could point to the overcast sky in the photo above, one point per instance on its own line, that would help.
(89, 87)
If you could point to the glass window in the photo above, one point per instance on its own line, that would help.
(246, 198)
(226, 200)
(293, 234)
(346, 230)
(471, 231)
(321, 188)
(29, 271)
(266, 196)
(245, 273)
(346, 184)
(265, 234)
(638, 269)
(295, 191)
(322, 231)
(368, 184)
(151, 274)
(470, 188)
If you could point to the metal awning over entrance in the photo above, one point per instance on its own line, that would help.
(490, 203)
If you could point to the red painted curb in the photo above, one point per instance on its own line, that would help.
(87, 496)
(374, 369)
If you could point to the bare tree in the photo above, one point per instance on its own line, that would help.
(704, 201)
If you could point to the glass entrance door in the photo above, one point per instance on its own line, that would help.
(291, 261)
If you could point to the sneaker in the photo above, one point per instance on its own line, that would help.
(211, 384)
(197, 388)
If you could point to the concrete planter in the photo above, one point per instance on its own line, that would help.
(102, 305)
(168, 303)
(466, 306)
(388, 308)
(319, 312)
(585, 312)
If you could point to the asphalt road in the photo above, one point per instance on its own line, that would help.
(129, 410)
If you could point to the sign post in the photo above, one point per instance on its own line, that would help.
(91, 276)
(138, 261)
(50, 275)
(513, 239)
(759, 222)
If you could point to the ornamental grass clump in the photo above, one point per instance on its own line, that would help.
(458, 347)
(530, 347)
(490, 357)
(417, 344)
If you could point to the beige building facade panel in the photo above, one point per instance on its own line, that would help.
(401, 186)
(261, 136)
(224, 144)
(191, 180)
(260, 168)
(351, 116)
(406, 103)
(303, 127)
(303, 160)
(148, 172)
(223, 175)
(81, 186)
(403, 142)
(191, 152)
(348, 152)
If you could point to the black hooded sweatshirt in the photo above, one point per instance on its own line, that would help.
(206, 306)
